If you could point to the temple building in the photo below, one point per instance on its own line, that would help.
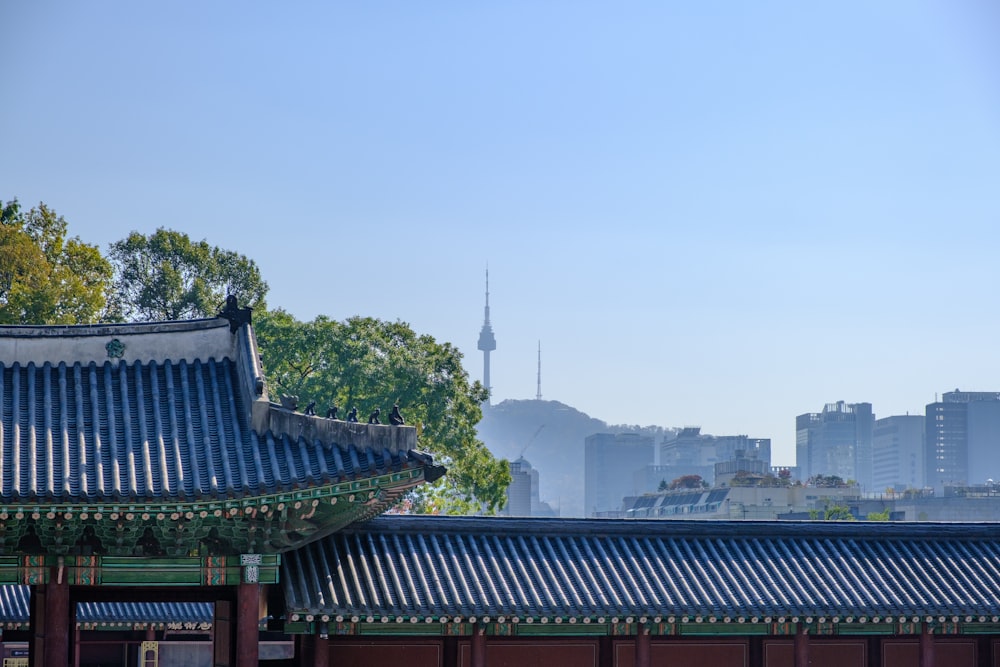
(151, 490)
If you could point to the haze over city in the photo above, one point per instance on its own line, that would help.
(719, 215)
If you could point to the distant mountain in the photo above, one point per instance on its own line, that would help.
(550, 435)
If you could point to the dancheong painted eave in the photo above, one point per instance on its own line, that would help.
(440, 569)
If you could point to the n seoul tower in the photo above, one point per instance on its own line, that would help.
(487, 342)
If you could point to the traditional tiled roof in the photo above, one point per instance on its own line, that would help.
(157, 439)
(559, 570)
(15, 605)
(169, 416)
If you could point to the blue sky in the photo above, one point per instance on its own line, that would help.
(720, 214)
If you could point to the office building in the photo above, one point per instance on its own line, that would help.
(690, 452)
(898, 453)
(610, 464)
(836, 441)
(963, 439)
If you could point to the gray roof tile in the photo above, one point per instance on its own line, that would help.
(75, 432)
(15, 605)
(447, 566)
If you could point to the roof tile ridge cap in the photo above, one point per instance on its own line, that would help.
(103, 328)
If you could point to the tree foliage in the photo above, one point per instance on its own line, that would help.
(879, 516)
(689, 482)
(746, 478)
(828, 481)
(167, 276)
(833, 513)
(45, 277)
(369, 363)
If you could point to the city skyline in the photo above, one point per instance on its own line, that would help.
(714, 218)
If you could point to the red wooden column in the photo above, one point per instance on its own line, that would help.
(801, 646)
(926, 646)
(36, 618)
(247, 624)
(642, 647)
(478, 646)
(57, 620)
(321, 651)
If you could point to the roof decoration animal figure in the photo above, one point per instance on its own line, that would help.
(331, 412)
(373, 417)
(395, 417)
(352, 416)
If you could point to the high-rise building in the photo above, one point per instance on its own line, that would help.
(898, 453)
(837, 441)
(522, 495)
(610, 463)
(690, 452)
(487, 342)
(963, 439)
(523, 480)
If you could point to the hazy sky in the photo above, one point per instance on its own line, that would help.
(720, 214)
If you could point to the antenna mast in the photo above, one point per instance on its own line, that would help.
(538, 395)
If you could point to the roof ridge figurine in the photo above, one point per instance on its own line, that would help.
(237, 316)
(395, 417)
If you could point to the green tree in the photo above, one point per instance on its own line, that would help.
(167, 276)
(833, 513)
(45, 277)
(879, 516)
(689, 482)
(828, 481)
(369, 363)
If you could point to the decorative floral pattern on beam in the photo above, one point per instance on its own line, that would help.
(215, 571)
(32, 570)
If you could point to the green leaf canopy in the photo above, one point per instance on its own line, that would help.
(368, 363)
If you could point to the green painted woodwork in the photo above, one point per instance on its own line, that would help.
(137, 571)
(865, 629)
(264, 524)
(576, 630)
(981, 629)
